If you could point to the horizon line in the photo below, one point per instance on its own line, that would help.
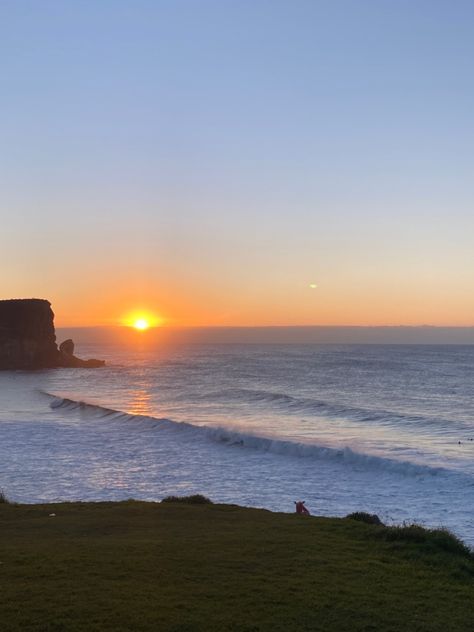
(160, 327)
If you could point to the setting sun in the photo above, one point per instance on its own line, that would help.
(141, 320)
(141, 324)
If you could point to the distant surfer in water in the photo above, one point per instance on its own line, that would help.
(300, 508)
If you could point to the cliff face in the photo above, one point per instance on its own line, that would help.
(28, 339)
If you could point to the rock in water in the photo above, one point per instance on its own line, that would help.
(67, 358)
(28, 339)
(67, 347)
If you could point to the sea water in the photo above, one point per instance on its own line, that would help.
(384, 429)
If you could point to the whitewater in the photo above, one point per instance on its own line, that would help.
(384, 429)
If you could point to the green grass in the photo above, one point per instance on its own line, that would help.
(137, 566)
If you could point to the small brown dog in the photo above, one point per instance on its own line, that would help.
(300, 508)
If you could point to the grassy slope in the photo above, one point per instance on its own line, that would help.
(143, 566)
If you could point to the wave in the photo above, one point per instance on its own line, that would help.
(304, 405)
(245, 440)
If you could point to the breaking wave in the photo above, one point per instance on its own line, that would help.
(239, 439)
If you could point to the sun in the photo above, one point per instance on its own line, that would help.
(141, 320)
(141, 324)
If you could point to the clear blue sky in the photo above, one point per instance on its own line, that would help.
(209, 160)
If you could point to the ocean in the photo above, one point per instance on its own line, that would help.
(387, 429)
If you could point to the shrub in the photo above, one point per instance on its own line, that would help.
(3, 498)
(196, 499)
(363, 516)
(433, 540)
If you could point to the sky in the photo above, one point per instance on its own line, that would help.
(239, 162)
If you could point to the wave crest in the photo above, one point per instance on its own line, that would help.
(240, 439)
(307, 405)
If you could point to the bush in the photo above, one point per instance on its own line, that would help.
(363, 516)
(196, 499)
(3, 498)
(432, 540)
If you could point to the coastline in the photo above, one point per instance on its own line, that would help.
(186, 420)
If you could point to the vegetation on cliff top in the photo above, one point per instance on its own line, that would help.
(175, 566)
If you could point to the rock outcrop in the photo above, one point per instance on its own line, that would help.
(68, 359)
(28, 338)
(67, 347)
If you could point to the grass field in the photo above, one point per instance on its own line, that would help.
(144, 566)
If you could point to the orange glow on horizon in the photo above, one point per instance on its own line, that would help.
(141, 321)
(345, 301)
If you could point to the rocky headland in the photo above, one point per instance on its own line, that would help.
(28, 338)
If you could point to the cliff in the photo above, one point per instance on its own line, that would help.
(28, 339)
